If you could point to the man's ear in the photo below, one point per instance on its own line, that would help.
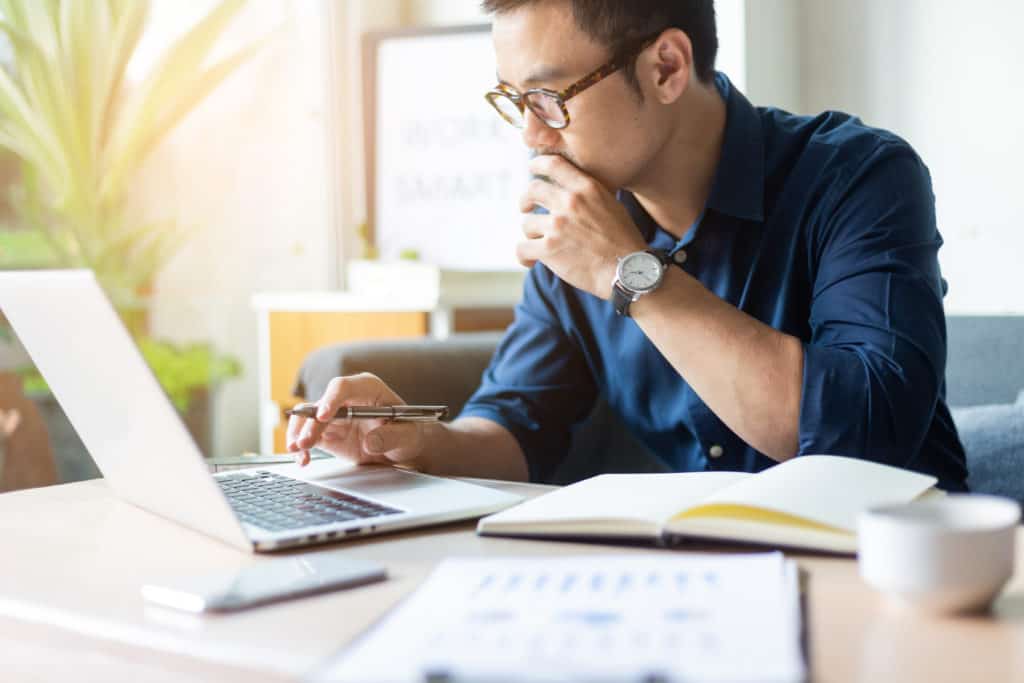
(667, 65)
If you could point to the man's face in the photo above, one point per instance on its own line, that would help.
(540, 46)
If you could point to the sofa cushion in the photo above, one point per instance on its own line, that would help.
(983, 359)
(993, 437)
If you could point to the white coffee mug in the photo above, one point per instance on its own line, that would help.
(949, 554)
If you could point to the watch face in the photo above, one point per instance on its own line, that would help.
(640, 271)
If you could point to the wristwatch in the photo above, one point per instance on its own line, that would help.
(637, 274)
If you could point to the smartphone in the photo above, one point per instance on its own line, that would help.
(263, 582)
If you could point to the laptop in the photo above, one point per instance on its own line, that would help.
(135, 435)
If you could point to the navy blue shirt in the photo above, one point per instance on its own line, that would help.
(820, 227)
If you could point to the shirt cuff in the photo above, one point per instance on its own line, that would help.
(834, 419)
(538, 469)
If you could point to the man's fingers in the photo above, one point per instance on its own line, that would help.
(344, 439)
(302, 435)
(397, 440)
(342, 448)
(295, 425)
(530, 251)
(294, 428)
(536, 224)
(561, 171)
(539, 193)
(309, 433)
(362, 389)
(340, 430)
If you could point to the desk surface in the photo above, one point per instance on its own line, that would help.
(74, 559)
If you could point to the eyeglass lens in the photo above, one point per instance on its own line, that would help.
(544, 106)
(508, 109)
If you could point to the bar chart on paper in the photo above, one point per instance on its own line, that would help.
(640, 617)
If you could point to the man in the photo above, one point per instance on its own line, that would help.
(789, 300)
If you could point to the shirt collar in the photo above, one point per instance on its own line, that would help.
(738, 188)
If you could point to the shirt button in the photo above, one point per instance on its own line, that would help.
(679, 257)
(716, 451)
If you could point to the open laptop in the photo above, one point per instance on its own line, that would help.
(137, 439)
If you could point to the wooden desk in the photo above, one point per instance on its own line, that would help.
(74, 557)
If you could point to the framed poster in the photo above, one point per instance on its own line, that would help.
(444, 172)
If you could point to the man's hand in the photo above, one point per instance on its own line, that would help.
(585, 231)
(364, 441)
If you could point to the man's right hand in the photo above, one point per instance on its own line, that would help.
(361, 440)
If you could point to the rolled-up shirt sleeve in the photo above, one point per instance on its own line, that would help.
(538, 384)
(875, 362)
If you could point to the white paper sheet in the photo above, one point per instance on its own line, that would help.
(657, 617)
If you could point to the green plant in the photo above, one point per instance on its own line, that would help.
(80, 129)
(25, 249)
(32, 383)
(180, 370)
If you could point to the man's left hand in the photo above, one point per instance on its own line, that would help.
(585, 231)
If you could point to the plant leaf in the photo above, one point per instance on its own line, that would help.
(197, 91)
(132, 136)
(129, 20)
(25, 122)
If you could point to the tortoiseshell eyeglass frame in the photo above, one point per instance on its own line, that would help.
(522, 100)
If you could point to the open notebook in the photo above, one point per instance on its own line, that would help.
(807, 502)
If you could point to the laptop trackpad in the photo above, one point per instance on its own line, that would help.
(377, 480)
(392, 486)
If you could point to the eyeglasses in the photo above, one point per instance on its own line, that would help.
(549, 105)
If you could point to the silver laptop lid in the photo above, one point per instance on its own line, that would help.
(112, 399)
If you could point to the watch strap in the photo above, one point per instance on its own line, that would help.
(621, 299)
(661, 255)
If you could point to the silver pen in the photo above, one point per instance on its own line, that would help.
(396, 413)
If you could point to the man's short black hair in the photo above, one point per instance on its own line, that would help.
(619, 24)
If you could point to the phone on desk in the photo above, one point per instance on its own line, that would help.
(263, 582)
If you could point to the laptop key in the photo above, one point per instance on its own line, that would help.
(273, 502)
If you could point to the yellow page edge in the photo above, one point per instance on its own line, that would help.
(754, 514)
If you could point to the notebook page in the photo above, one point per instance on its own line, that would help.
(825, 489)
(648, 497)
(665, 617)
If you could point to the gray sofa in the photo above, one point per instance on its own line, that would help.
(985, 378)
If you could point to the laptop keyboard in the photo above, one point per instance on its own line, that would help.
(278, 503)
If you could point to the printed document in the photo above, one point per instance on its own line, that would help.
(643, 617)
